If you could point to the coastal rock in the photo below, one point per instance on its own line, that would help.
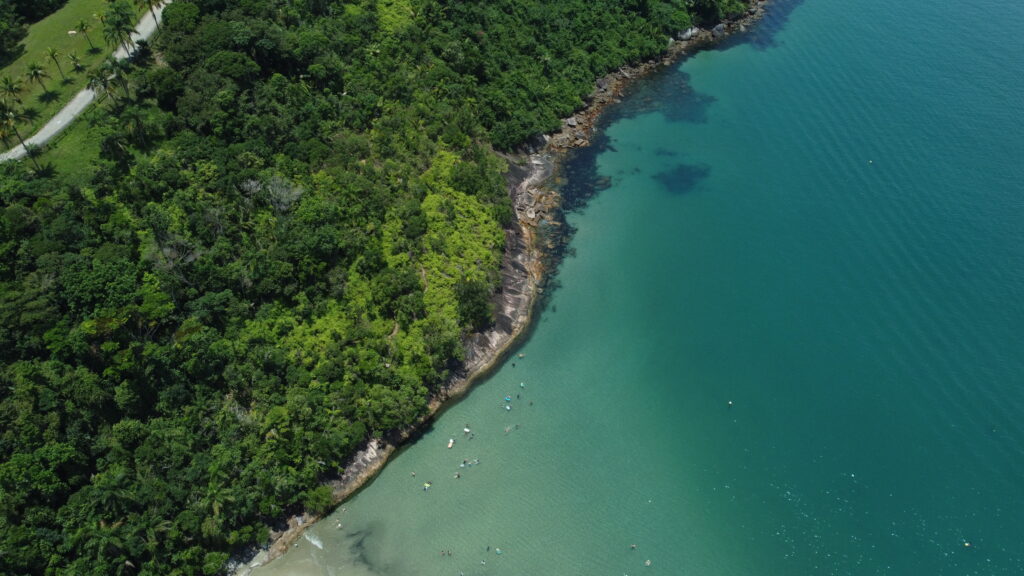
(602, 84)
(718, 30)
(571, 121)
(689, 33)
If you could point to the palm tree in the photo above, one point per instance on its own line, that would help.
(11, 88)
(118, 27)
(113, 32)
(117, 70)
(76, 62)
(99, 82)
(84, 28)
(133, 123)
(151, 4)
(10, 118)
(36, 72)
(53, 53)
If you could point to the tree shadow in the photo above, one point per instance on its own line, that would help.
(94, 50)
(30, 113)
(49, 96)
(668, 85)
(67, 81)
(762, 34)
(13, 55)
(45, 170)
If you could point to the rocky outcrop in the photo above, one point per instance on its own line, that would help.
(608, 89)
(688, 34)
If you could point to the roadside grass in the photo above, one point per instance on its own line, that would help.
(72, 152)
(52, 32)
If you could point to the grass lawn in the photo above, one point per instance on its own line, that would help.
(52, 32)
(71, 153)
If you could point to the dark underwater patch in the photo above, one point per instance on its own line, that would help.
(683, 178)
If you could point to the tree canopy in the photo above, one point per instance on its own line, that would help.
(294, 219)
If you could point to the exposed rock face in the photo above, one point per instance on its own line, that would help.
(688, 34)
(719, 30)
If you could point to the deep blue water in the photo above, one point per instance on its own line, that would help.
(821, 222)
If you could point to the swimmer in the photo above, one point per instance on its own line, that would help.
(507, 407)
(647, 563)
(531, 402)
(413, 474)
(522, 384)
(632, 546)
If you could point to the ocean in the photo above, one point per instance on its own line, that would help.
(788, 338)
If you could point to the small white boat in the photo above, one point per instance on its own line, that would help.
(451, 442)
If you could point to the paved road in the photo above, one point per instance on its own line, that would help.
(145, 29)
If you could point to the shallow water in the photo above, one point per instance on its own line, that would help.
(822, 223)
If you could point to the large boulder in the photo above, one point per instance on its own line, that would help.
(689, 33)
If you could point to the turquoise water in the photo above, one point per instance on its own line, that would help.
(822, 223)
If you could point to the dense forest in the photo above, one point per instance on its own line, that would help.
(296, 216)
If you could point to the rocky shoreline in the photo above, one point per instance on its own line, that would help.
(578, 129)
(521, 275)
(522, 272)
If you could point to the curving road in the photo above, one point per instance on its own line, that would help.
(146, 27)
